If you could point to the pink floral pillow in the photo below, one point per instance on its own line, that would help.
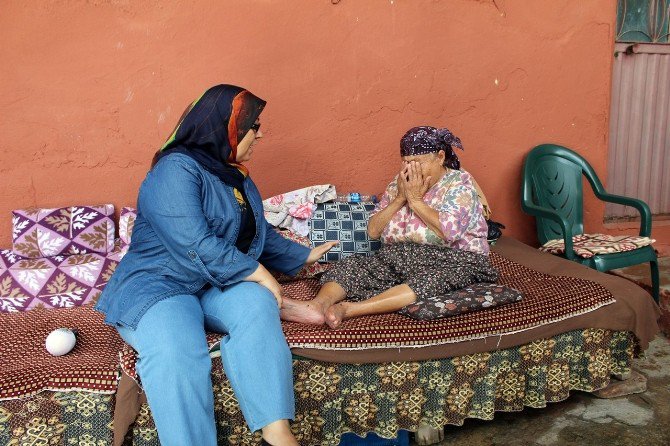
(40, 233)
(126, 224)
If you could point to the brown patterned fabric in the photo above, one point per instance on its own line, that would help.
(26, 368)
(633, 311)
(333, 398)
(57, 419)
(428, 270)
(589, 245)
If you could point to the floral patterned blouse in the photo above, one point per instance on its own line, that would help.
(455, 198)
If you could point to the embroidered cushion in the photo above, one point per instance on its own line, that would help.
(346, 223)
(40, 233)
(52, 282)
(126, 224)
(473, 297)
(589, 245)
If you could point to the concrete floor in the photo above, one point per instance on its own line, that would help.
(583, 419)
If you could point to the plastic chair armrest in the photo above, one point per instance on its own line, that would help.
(641, 206)
(539, 211)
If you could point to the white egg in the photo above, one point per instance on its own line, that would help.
(60, 341)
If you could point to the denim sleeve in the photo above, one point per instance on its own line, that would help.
(281, 254)
(170, 199)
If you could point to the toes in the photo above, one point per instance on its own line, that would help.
(333, 319)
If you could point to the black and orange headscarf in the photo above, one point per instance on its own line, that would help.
(210, 129)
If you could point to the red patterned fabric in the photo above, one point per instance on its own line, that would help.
(26, 368)
(547, 299)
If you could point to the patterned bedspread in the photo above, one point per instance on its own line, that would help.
(335, 398)
(547, 299)
(26, 368)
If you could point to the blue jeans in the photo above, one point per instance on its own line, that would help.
(174, 363)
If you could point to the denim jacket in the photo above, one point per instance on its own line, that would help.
(184, 237)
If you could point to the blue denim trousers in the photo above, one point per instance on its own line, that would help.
(174, 364)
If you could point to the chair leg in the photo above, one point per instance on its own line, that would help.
(654, 279)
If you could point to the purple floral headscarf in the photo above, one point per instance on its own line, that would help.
(426, 139)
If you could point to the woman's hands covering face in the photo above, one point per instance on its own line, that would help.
(411, 182)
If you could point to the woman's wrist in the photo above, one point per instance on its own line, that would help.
(399, 201)
(414, 202)
(260, 274)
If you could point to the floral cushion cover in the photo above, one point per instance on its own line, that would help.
(38, 233)
(477, 296)
(126, 224)
(589, 245)
(52, 282)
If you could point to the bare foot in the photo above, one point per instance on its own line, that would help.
(279, 433)
(335, 314)
(306, 312)
(281, 439)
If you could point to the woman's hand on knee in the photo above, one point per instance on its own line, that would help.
(263, 277)
(319, 251)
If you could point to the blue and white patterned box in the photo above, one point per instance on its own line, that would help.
(346, 223)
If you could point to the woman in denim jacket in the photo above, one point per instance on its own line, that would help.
(197, 261)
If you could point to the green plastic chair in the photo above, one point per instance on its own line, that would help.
(552, 193)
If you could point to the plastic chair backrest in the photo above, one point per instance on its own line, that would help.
(554, 174)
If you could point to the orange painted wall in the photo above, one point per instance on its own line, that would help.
(89, 89)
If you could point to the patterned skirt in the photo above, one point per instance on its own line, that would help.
(428, 270)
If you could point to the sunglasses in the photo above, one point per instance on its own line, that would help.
(255, 126)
